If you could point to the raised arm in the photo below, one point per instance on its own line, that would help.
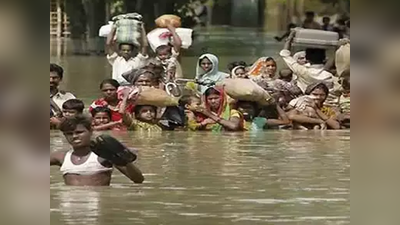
(110, 43)
(175, 37)
(144, 42)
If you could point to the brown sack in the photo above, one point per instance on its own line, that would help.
(155, 97)
(162, 21)
(246, 90)
(342, 60)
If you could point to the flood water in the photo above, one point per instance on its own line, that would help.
(274, 177)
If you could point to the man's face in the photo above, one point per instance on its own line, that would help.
(79, 138)
(54, 80)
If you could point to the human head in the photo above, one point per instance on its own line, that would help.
(208, 63)
(319, 92)
(109, 89)
(316, 55)
(286, 75)
(214, 99)
(270, 66)
(239, 72)
(326, 20)
(144, 78)
(163, 52)
(72, 107)
(189, 101)
(56, 75)
(78, 131)
(146, 113)
(232, 65)
(156, 67)
(310, 16)
(101, 115)
(248, 109)
(126, 50)
(300, 57)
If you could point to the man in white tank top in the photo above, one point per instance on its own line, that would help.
(80, 166)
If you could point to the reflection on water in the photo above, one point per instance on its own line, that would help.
(283, 177)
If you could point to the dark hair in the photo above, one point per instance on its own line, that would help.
(139, 107)
(113, 82)
(270, 59)
(187, 100)
(326, 18)
(285, 69)
(162, 48)
(100, 109)
(70, 124)
(314, 86)
(211, 91)
(316, 55)
(310, 14)
(130, 45)
(57, 69)
(74, 104)
(232, 65)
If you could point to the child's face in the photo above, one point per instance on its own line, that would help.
(79, 138)
(101, 118)
(194, 103)
(69, 113)
(147, 114)
(126, 51)
(164, 54)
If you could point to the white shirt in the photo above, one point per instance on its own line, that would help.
(306, 74)
(310, 74)
(62, 97)
(120, 65)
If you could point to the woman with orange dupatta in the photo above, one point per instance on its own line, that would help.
(216, 114)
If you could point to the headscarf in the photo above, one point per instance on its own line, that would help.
(310, 88)
(301, 54)
(208, 79)
(233, 73)
(224, 110)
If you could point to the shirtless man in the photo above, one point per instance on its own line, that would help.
(80, 166)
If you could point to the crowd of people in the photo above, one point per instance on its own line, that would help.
(307, 94)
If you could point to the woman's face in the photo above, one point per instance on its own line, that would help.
(206, 65)
(270, 67)
(319, 96)
(240, 73)
(144, 80)
(214, 101)
(109, 92)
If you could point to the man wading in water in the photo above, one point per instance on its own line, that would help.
(82, 167)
